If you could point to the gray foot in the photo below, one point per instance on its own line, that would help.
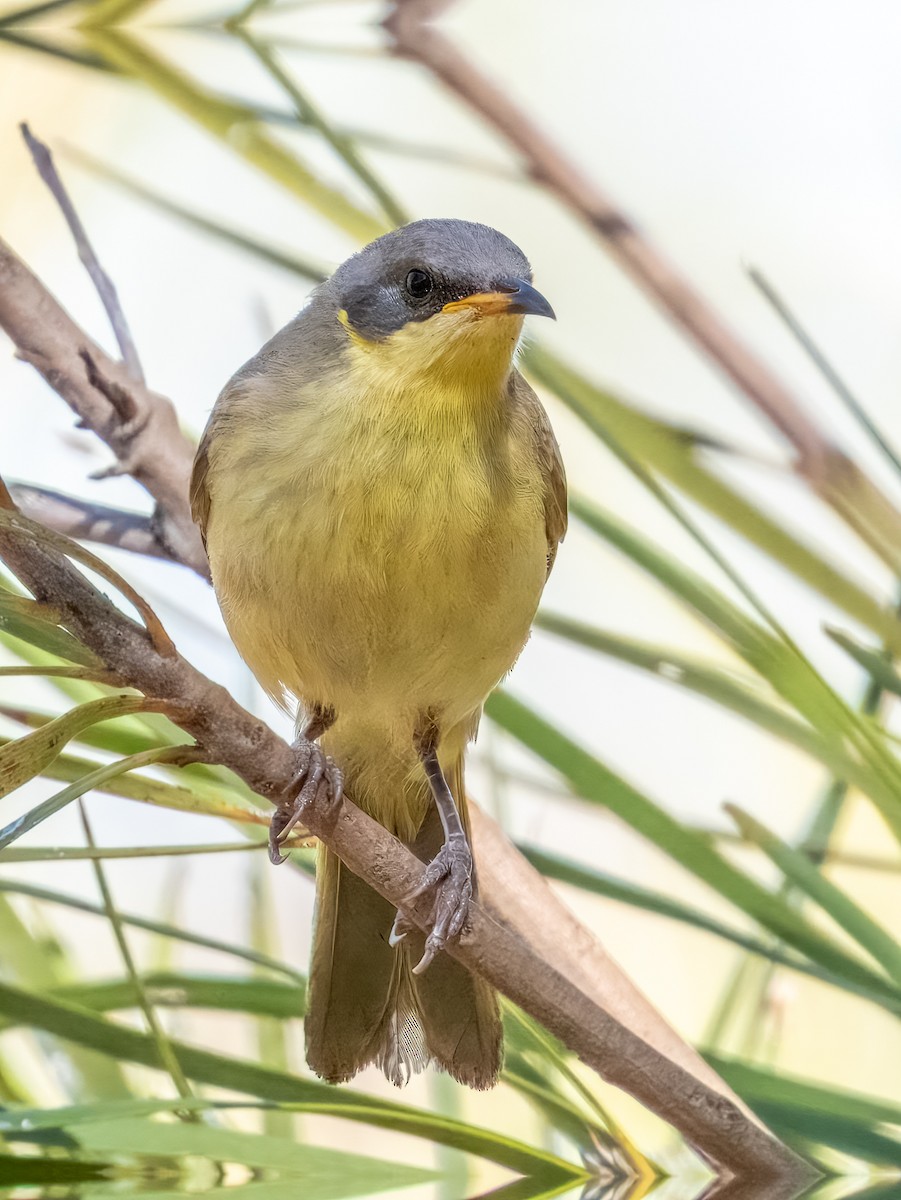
(317, 778)
(449, 875)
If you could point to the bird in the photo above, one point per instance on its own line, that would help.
(381, 496)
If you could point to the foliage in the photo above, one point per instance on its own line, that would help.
(104, 742)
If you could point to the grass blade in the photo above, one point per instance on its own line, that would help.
(261, 997)
(307, 269)
(317, 1173)
(36, 625)
(742, 696)
(308, 114)
(637, 896)
(52, 49)
(875, 662)
(23, 528)
(83, 1027)
(271, 1034)
(34, 958)
(800, 871)
(669, 451)
(86, 853)
(34, 817)
(164, 1049)
(237, 127)
(594, 781)
(26, 757)
(105, 13)
(762, 1085)
(158, 927)
(777, 659)
(91, 674)
(844, 1120)
(824, 366)
(24, 16)
(193, 799)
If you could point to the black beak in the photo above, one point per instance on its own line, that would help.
(525, 299)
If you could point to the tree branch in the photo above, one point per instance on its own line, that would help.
(106, 289)
(517, 893)
(139, 426)
(717, 1127)
(225, 733)
(825, 467)
(88, 522)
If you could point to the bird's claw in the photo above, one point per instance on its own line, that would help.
(317, 779)
(449, 875)
(399, 930)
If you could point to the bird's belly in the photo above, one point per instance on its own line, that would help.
(384, 595)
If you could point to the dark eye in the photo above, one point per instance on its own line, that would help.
(418, 284)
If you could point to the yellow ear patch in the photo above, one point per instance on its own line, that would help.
(356, 338)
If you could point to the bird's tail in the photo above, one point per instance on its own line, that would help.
(365, 1004)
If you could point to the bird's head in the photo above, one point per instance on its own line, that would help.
(439, 299)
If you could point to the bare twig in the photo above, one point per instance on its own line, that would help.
(23, 526)
(536, 979)
(826, 468)
(224, 731)
(140, 426)
(106, 289)
(520, 896)
(88, 522)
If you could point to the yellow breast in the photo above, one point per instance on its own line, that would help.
(380, 549)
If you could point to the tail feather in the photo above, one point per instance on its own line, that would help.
(403, 1051)
(366, 1005)
(353, 973)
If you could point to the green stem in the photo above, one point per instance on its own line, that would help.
(167, 1055)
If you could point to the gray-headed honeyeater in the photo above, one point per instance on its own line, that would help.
(382, 496)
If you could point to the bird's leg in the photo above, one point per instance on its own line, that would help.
(314, 770)
(449, 873)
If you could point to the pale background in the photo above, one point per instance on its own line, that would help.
(767, 134)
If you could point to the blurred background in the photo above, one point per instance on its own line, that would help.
(734, 137)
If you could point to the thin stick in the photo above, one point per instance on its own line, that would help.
(139, 426)
(106, 289)
(89, 522)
